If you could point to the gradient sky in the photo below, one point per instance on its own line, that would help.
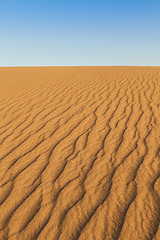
(79, 32)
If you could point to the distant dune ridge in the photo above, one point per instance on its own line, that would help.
(79, 153)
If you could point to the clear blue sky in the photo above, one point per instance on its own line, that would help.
(79, 32)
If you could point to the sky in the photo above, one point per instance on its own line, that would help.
(79, 32)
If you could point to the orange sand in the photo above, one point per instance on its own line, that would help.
(79, 153)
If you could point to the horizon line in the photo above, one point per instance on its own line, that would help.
(12, 66)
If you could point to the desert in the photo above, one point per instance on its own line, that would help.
(80, 153)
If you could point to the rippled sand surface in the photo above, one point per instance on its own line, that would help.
(79, 153)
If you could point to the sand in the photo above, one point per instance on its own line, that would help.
(79, 153)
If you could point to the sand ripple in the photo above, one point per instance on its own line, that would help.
(79, 153)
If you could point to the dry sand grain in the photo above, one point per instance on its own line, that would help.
(79, 153)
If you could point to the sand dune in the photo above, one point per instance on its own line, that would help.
(79, 153)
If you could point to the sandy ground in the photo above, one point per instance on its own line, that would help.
(79, 153)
